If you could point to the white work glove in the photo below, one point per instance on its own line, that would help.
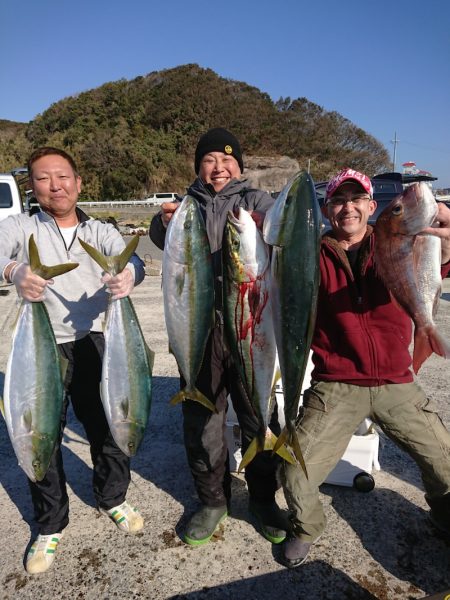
(29, 286)
(120, 285)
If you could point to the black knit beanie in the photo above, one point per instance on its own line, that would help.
(218, 140)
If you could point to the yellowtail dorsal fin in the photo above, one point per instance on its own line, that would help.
(112, 264)
(194, 395)
(42, 270)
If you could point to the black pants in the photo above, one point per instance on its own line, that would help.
(204, 432)
(111, 467)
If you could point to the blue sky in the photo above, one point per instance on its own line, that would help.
(383, 64)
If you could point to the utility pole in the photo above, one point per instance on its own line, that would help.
(395, 141)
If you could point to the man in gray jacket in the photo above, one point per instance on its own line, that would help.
(76, 303)
(219, 189)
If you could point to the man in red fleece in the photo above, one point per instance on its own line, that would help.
(361, 369)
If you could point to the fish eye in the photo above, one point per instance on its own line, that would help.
(397, 210)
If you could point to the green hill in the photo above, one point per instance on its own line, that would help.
(131, 138)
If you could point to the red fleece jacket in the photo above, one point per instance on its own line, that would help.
(361, 336)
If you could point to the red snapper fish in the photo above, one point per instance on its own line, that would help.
(408, 262)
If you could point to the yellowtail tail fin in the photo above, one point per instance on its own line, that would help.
(194, 395)
(258, 445)
(112, 264)
(289, 438)
(42, 270)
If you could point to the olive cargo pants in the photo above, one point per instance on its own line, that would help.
(330, 415)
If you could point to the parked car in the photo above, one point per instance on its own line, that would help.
(10, 198)
(159, 197)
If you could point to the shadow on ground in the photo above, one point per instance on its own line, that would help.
(312, 580)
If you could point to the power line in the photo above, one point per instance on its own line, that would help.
(440, 150)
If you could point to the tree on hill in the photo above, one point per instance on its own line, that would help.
(131, 138)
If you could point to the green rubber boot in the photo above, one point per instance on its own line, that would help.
(203, 524)
(271, 520)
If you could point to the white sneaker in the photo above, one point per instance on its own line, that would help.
(126, 517)
(41, 555)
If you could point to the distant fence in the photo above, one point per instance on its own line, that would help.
(121, 203)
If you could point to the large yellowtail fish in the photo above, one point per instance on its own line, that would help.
(34, 380)
(409, 264)
(126, 386)
(292, 227)
(188, 290)
(248, 322)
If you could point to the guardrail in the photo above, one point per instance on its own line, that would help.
(121, 203)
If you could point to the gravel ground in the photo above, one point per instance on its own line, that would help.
(377, 545)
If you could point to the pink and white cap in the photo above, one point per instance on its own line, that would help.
(345, 175)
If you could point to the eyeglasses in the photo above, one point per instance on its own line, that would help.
(356, 199)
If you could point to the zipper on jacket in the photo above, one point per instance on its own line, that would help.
(63, 239)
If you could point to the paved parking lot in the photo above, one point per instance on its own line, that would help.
(377, 545)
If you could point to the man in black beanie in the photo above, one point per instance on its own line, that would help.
(219, 189)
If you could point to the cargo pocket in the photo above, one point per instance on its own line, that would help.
(418, 425)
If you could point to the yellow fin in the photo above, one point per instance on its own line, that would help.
(194, 395)
(253, 449)
(42, 270)
(289, 440)
(112, 264)
(2, 407)
(259, 445)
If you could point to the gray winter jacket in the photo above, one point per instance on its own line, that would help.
(215, 209)
(77, 300)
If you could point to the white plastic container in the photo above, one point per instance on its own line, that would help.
(361, 455)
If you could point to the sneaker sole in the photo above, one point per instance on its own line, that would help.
(192, 542)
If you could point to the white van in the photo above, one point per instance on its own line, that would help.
(10, 199)
(160, 197)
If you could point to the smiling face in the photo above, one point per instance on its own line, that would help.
(56, 187)
(218, 169)
(348, 211)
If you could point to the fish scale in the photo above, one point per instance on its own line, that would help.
(409, 262)
(248, 322)
(126, 384)
(292, 228)
(34, 380)
(188, 291)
